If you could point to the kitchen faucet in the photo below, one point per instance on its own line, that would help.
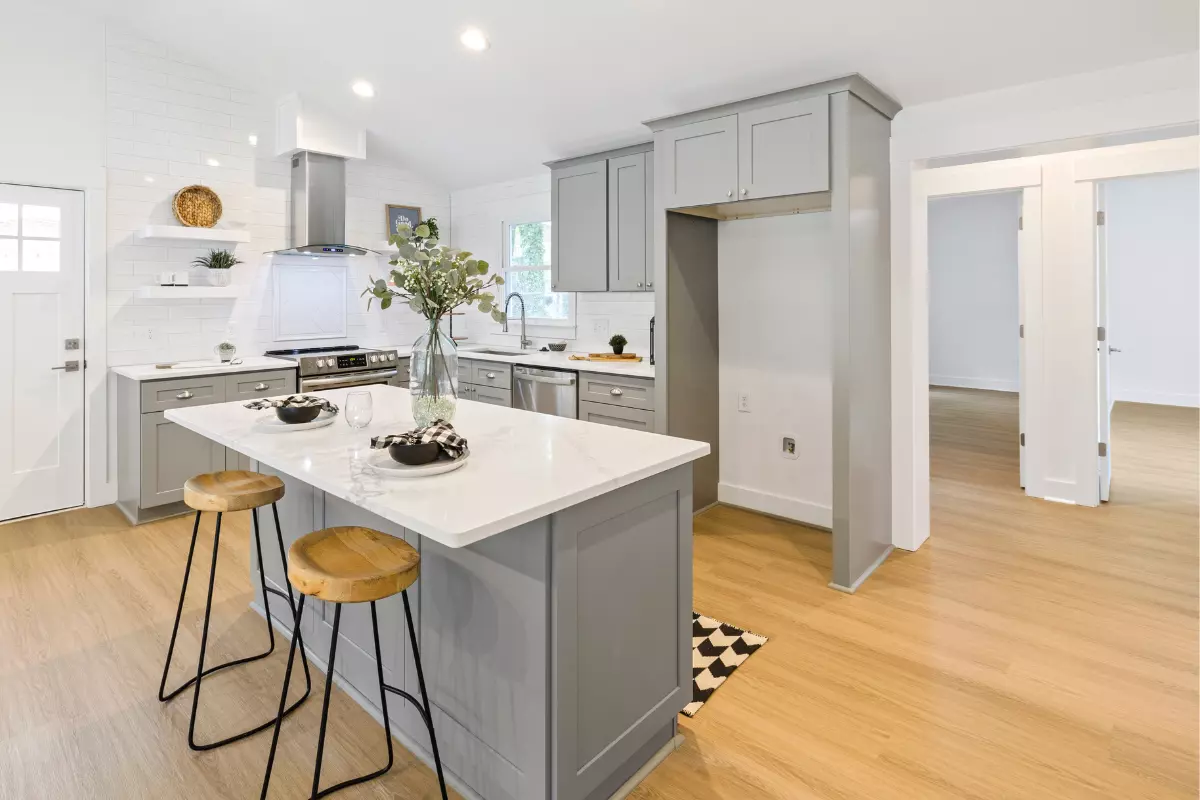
(524, 342)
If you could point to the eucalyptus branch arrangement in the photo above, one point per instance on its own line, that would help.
(434, 280)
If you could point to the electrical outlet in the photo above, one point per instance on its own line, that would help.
(600, 327)
(744, 402)
(789, 448)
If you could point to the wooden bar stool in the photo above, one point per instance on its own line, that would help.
(222, 492)
(354, 565)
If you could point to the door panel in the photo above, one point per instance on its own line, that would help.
(170, 455)
(41, 308)
(1103, 351)
(701, 163)
(579, 213)
(784, 149)
(627, 223)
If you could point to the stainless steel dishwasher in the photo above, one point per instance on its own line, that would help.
(547, 391)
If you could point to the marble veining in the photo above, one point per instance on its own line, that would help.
(523, 465)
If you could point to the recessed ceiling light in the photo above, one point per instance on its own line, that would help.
(363, 89)
(212, 162)
(253, 140)
(474, 39)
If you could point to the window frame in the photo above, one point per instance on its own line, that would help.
(506, 267)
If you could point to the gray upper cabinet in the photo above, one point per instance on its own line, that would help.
(630, 199)
(700, 163)
(784, 149)
(579, 241)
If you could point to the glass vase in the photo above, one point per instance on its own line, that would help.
(433, 377)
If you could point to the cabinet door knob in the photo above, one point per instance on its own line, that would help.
(491, 375)
(729, 194)
(649, 284)
(184, 395)
(743, 192)
(639, 284)
(615, 392)
(262, 387)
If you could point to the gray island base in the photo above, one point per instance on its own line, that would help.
(553, 610)
(557, 653)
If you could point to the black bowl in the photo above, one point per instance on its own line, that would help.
(414, 454)
(294, 415)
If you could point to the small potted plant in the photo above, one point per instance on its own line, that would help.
(617, 343)
(218, 264)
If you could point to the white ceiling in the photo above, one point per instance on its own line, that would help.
(565, 77)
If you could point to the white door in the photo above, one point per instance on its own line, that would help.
(1103, 348)
(41, 336)
(1029, 270)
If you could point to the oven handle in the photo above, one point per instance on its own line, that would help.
(342, 381)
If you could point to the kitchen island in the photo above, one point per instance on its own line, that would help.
(554, 604)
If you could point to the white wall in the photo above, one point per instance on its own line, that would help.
(973, 312)
(775, 285)
(1154, 283)
(479, 217)
(1154, 94)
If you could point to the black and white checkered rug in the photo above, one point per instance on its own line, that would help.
(717, 650)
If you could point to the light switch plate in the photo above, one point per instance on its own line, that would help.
(788, 449)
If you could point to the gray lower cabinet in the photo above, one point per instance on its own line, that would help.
(623, 402)
(485, 382)
(579, 212)
(155, 456)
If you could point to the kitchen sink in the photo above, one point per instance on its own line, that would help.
(490, 352)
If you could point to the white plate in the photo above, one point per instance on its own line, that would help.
(386, 465)
(270, 423)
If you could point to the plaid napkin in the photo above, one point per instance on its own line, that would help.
(440, 431)
(294, 401)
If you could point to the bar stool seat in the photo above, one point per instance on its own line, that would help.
(231, 490)
(354, 565)
(224, 492)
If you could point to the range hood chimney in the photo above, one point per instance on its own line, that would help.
(319, 207)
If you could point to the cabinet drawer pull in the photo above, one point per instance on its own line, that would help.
(262, 387)
(184, 395)
(615, 392)
(491, 375)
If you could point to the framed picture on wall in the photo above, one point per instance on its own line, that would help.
(399, 215)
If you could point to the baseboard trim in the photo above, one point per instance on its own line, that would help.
(1157, 398)
(990, 384)
(776, 505)
(852, 588)
(644, 771)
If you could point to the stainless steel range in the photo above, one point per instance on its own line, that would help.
(343, 366)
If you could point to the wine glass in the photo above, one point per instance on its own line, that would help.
(358, 409)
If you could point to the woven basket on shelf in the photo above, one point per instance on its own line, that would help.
(197, 206)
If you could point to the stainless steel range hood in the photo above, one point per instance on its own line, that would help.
(319, 208)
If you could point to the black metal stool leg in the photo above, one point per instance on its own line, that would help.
(412, 637)
(291, 597)
(200, 671)
(287, 679)
(337, 622)
(187, 571)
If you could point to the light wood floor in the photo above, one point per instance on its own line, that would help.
(1028, 650)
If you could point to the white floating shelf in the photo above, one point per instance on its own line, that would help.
(181, 233)
(188, 292)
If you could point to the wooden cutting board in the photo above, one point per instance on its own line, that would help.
(624, 357)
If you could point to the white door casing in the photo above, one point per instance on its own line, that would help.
(1029, 277)
(41, 307)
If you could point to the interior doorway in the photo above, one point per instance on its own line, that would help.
(1147, 257)
(41, 350)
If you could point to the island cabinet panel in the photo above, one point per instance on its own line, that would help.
(622, 565)
(700, 162)
(579, 211)
(784, 149)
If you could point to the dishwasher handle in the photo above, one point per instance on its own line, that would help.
(533, 378)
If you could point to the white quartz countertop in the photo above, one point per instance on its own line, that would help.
(184, 369)
(536, 358)
(523, 465)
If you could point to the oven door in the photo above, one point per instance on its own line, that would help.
(388, 377)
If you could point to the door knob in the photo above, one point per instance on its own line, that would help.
(729, 194)
(743, 192)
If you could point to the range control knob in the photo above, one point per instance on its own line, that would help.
(320, 363)
(391, 356)
(374, 359)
